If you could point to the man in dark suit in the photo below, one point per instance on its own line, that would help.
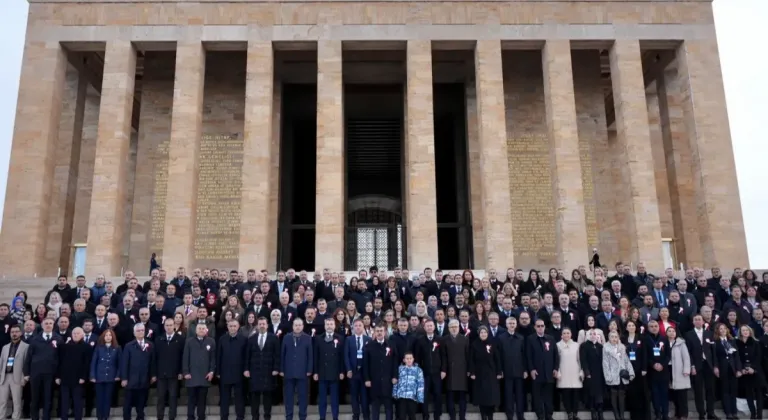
(381, 372)
(138, 370)
(604, 317)
(230, 364)
(353, 362)
(515, 371)
(169, 347)
(198, 365)
(700, 346)
(328, 367)
(40, 366)
(658, 376)
(542, 361)
(431, 358)
(262, 364)
(296, 360)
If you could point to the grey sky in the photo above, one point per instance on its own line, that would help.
(741, 30)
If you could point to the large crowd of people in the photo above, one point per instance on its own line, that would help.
(404, 343)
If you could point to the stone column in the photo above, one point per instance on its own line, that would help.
(255, 237)
(492, 140)
(721, 225)
(677, 152)
(106, 223)
(330, 191)
(420, 197)
(183, 152)
(644, 227)
(65, 174)
(30, 175)
(565, 158)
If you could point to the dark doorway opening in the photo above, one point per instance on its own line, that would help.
(298, 173)
(454, 226)
(374, 233)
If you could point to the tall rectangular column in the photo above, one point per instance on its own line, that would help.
(107, 216)
(183, 153)
(634, 137)
(255, 241)
(420, 197)
(565, 158)
(492, 140)
(329, 210)
(30, 175)
(721, 224)
(65, 174)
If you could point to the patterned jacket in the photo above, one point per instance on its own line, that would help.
(410, 385)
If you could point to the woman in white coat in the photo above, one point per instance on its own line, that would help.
(680, 371)
(570, 375)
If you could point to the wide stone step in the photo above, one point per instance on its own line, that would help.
(560, 415)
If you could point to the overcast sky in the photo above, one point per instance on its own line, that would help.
(741, 30)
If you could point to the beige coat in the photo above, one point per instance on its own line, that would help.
(681, 365)
(570, 371)
(18, 362)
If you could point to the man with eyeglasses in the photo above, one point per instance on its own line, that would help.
(542, 358)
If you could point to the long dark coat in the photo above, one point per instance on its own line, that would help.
(750, 354)
(457, 358)
(380, 366)
(485, 365)
(198, 360)
(591, 359)
(262, 362)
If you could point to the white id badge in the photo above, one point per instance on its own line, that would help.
(359, 354)
(656, 352)
(632, 356)
(9, 363)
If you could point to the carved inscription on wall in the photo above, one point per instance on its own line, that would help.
(590, 209)
(533, 222)
(157, 233)
(218, 198)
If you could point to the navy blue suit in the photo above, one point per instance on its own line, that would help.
(137, 368)
(41, 364)
(358, 393)
(296, 365)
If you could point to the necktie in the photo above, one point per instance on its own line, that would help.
(359, 346)
(47, 337)
(440, 330)
(170, 338)
(660, 297)
(261, 341)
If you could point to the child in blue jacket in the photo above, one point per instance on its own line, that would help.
(409, 389)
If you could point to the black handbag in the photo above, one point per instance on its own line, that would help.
(624, 374)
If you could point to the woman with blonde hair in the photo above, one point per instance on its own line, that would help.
(752, 377)
(618, 372)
